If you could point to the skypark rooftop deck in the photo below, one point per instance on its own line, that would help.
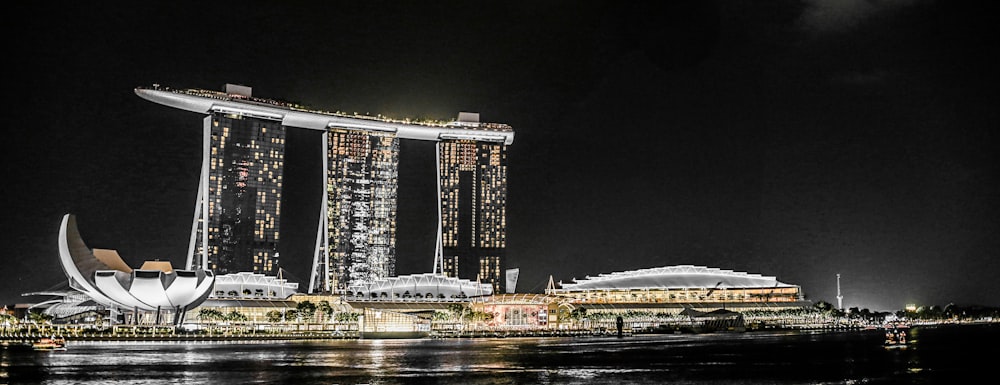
(293, 115)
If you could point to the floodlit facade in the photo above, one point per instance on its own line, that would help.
(381, 323)
(237, 218)
(679, 287)
(105, 278)
(360, 201)
(520, 311)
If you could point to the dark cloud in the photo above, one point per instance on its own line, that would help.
(838, 16)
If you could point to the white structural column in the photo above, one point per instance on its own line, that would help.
(325, 215)
(188, 265)
(205, 213)
(201, 203)
(322, 240)
(438, 247)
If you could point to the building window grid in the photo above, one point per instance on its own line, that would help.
(492, 210)
(361, 196)
(266, 229)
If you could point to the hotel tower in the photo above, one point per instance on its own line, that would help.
(360, 207)
(236, 222)
(472, 177)
(236, 225)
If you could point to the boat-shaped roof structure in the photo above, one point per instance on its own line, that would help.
(294, 115)
(673, 277)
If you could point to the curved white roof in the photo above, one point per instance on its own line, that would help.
(154, 289)
(143, 289)
(674, 277)
(203, 101)
(427, 286)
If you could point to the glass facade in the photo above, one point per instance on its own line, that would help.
(473, 196)
(362, 179)
(245, 158)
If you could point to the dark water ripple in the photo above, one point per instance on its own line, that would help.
(940, 354)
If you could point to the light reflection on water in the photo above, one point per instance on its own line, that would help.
(743, 358)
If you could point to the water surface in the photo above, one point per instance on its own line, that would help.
(940, 354)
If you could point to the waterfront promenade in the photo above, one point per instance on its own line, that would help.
(170, 334)
(16, 338)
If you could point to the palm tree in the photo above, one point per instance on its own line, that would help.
(236, 316)
(346, 317)
(325, 310)
(306, 309)
(209, 314)
(273, 316)
(39, 317)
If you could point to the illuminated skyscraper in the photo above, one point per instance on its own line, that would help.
(239, 200)
(236, 225)
(472, 176)
(360, 201)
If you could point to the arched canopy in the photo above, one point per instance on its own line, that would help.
(425, 287)
(674, 277)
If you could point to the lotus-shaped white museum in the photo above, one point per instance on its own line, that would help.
(102, 275)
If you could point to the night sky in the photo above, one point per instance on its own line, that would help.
(795, 139)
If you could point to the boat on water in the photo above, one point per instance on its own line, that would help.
(16, 346)
(896, 336)
(51, 343)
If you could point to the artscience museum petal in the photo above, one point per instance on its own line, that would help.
(106, 278)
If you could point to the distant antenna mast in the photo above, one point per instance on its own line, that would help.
(840, 298)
